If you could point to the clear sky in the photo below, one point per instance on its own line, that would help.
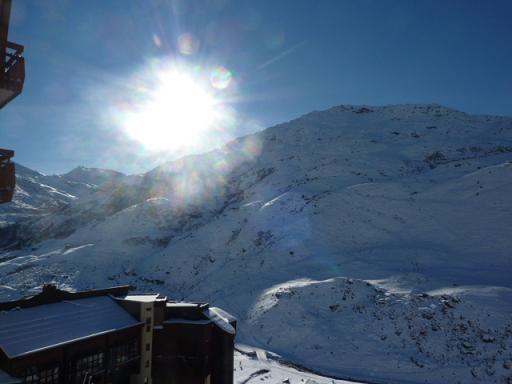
(92, 67)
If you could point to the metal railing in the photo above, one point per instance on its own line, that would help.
(13, 54)
(12, 67)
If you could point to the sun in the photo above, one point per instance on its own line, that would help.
(174, 112)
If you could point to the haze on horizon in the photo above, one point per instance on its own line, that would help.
(128, 85)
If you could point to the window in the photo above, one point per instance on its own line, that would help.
(49, 375)
(31, 375)
(91, 364)
(45, 375)
(122, 353)
(148, 347)
(86, 366)
(148, 324)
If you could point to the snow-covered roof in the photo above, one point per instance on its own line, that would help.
(182, 305)
(146, 298)
(34, 329)
(221, 318)
(5, 378)
(222, 313)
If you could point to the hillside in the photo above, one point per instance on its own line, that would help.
(366, 242)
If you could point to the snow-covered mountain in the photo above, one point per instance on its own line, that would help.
(366, 242)
(93, 176)
(39, 195)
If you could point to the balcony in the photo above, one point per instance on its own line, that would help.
(7, 176)
(12, 73)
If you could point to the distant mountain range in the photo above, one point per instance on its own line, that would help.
(361, 241)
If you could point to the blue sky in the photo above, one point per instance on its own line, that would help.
(286, 58)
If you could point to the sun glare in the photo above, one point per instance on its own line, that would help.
(172, 114)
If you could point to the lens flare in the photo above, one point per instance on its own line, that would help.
(188, 44)
(220, 78)
(275, 40)
(157, 41)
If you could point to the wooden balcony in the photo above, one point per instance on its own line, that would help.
(12, 73)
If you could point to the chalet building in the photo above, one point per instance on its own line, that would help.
(112, 336)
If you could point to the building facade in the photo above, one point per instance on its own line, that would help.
(112, 336)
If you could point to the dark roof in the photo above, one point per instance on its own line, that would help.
(51, 294)
(29, 330)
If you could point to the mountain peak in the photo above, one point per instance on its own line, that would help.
(95, 176)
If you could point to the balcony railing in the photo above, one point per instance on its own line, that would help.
(12, 72)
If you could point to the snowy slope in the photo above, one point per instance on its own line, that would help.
(39, 195)
(35, 191)
(38, 192)
(93, 176)
(256, 365)
(410, 202)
